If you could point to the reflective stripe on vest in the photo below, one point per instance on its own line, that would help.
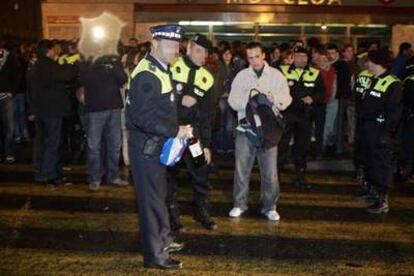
(203, 79)
(146, 66)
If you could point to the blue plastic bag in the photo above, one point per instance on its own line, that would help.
(172, 151)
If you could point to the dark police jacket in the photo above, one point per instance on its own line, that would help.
(151, 107)
(303, 82)
(408, 97)
(195, 81)
(381, 101)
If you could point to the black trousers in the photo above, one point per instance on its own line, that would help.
(298, 127)
(47, 144)
(407, 145)
(198, 177)
(150, 178)
(319, 113)
(375, 154)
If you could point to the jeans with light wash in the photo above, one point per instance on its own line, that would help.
(245, 154)
(330, 130)
(6, 127)
(20, 131)
(103, 131)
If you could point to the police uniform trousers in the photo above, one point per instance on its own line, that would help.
(300, 127)
(407, 143)
(199, 181)
(150, 179)
(376, 157)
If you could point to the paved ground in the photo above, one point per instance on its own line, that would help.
(324, 231)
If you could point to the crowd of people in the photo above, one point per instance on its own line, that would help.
(333, 101)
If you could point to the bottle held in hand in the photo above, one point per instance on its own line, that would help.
(196, 151)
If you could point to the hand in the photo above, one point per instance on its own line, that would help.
(31, 117)
(207, 155)
(307, 100)
(184, 132)
(188, 101)
(8, 94)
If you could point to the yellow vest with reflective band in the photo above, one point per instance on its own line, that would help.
(409, 78)
(203, 79)
(62, 59)
(383, 83)
(71, 59)
(147, 66)
(363, 81)
(309, 76)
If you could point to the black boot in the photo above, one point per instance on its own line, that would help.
(368, 193)
(202, 215)
(299, 180)
(174, 216)
(380, 206)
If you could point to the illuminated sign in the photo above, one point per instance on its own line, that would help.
(289, 2)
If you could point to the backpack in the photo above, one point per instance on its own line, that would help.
(263, 127)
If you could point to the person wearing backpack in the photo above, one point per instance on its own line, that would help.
(260, 76)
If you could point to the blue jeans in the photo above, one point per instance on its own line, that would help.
(20, 116)
(6, 127)
(245, 154)
(46, 152)
(331, 118)
(103, 131)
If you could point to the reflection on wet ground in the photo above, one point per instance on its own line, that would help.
(68, 230)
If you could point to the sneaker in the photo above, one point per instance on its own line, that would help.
(119, 182)
(94, 186)
(10, 159)
(236, 212)
(272, 215)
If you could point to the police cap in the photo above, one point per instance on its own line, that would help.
(169, 31)
(202, 40)
(300, 50)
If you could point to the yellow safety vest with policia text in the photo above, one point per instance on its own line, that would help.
(308, 77)
(203, 80)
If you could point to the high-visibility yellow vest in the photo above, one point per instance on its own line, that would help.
(363, 81)
(383, 83)
(147, 66)
(309, 76)
(203, 79)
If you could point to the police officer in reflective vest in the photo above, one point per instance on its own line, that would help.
(362, 82)
(194, 85)
(405, 164)
(151, 112)
(378, 115)
(306, 87)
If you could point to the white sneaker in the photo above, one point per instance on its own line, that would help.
(272, 215)
(236, 212)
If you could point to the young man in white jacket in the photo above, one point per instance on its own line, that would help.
(261, 76)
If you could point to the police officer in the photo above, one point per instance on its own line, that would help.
(306, 88)
(194, 86)
(406, 155)
(151, 112)
(378, 115)
(362, 82)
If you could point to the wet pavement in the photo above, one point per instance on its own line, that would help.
(324, 231)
